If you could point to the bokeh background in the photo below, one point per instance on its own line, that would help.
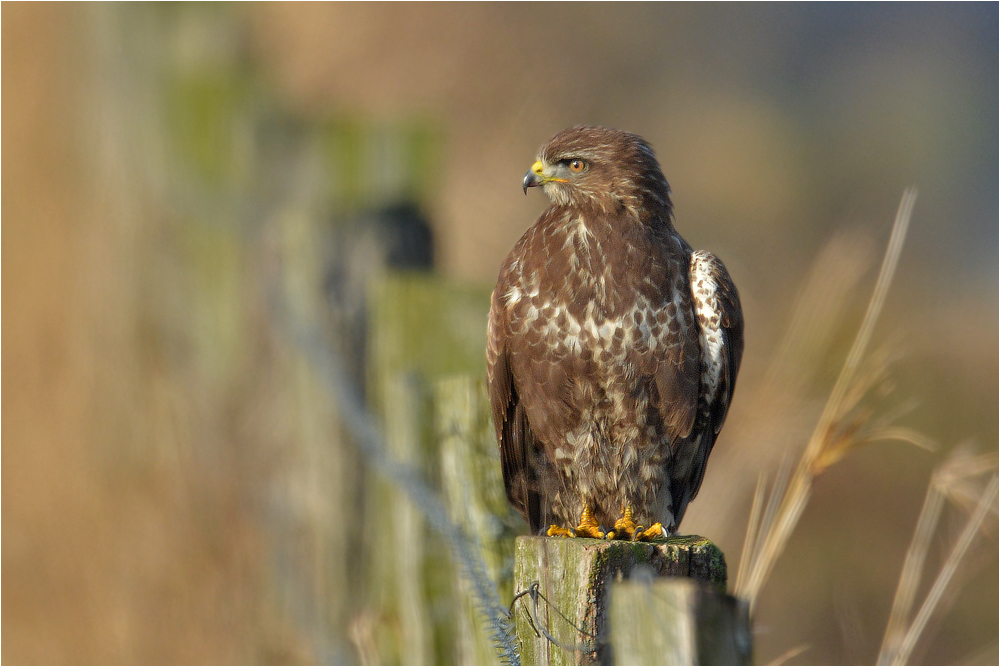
(188, 187)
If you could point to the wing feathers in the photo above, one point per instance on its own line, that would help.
(720, 322)
(518, 447)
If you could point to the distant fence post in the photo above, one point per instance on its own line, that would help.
(422, 329)
(473, 490)
(595, 602)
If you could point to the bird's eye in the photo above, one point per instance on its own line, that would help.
(576, 166)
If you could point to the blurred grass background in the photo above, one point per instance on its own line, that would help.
(177, 483)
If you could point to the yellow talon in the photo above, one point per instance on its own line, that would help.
(654, 532)
(588, 526)
(625, 527)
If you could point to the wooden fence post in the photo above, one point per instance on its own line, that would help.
(567, 613)
(473, 490)
(421, 329)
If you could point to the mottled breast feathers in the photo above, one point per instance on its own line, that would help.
(612, 348)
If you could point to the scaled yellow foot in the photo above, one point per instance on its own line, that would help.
(654, 532)
(627, 529)
(588, 527)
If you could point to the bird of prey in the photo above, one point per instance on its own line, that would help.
(612, 347)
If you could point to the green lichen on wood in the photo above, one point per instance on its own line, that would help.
(450, 319)
(420, 331)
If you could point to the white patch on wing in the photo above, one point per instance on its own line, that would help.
(707, 315)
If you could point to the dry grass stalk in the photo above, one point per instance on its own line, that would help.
(845, 424)
(953, 480)
(789, 654)
(753, 527)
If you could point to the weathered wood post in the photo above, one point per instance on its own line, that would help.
(597, 602)
(473, 490)
(421, 329)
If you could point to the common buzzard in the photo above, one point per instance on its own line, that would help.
(612, 347)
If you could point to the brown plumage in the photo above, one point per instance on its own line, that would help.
(612, 348)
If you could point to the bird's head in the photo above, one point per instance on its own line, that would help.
(600, 166)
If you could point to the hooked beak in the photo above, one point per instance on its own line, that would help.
(534, 177)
